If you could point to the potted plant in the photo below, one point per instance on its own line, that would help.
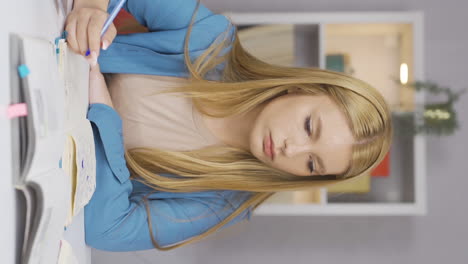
(438, 118)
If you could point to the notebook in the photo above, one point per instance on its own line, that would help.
(53, 151)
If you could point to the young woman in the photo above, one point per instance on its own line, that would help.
(193, 133)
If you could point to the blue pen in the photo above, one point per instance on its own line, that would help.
(109, 20)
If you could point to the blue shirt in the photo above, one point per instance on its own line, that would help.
(116, 217)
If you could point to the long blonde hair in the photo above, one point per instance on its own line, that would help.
(246, 82)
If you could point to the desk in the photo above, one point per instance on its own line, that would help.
(37, 19)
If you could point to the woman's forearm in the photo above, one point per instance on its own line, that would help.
(98, 91)
(101, 4)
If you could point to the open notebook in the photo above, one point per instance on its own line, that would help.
(53, 151)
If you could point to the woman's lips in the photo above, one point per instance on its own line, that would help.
(268, 147)
(272, 148)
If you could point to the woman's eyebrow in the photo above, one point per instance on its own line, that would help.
(318, 129)
(318, 132)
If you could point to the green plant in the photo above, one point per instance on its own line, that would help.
(438, 118)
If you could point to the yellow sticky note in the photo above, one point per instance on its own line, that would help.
(69, 166)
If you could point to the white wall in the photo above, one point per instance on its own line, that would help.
(439, 237)
(374, 67)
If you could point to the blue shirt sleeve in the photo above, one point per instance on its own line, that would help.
(116, 217)
(161, 51)
(157, 15)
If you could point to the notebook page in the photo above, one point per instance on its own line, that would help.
(52, 212)
(75, 73)
(46, 106)
(67, 255)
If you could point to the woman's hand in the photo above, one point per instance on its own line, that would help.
(98, 91)
(84, 24)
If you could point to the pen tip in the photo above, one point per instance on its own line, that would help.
(87, 53)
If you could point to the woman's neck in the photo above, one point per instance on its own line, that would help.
(233, 131)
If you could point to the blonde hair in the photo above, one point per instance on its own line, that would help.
(245, 83)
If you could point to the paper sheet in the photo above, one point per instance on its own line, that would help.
(46, 106)
(56, 92)
(66, 255)
(79, 154)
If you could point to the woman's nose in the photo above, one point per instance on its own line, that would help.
(294, 148)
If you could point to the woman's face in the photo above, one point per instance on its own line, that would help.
(326, 150)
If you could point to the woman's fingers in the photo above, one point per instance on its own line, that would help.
(109, 36)
(82, 30)
(84, 27)
(94, 32)
(71, 37)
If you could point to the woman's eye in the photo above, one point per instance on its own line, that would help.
(307, 125)
(307, 128)
(311, 167)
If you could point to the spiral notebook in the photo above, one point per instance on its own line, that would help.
(53, 151)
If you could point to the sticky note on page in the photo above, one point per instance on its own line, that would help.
(85, 161)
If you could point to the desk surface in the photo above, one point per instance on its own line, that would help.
(38, 19)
